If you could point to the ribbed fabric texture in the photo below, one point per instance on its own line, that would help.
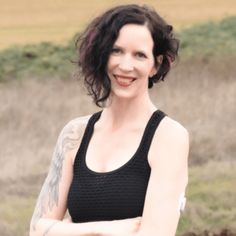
(118, 194)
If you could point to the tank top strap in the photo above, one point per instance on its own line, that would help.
(150, 130)
(86, 136)
(90, 127)
(94, 118)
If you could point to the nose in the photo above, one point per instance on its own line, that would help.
(126, 63)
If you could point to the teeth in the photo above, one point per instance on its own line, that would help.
(125, 78)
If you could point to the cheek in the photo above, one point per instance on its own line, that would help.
(146, 69)
(110, 63)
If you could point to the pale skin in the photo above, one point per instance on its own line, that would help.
(121, 124)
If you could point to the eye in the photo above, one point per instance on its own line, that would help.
(140, 55)
(115, 51)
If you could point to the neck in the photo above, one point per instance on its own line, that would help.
(123, 113)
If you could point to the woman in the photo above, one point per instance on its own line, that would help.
(122, 170)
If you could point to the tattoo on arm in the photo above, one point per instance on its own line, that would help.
(68, 140)
(49, 228)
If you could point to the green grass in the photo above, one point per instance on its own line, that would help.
(48, 60)
(42, 60)
(211, 198)
(210, 39)
(15, 215)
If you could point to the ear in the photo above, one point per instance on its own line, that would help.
(159, 59)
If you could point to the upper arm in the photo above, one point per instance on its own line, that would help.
(168, 180)
(52, 199)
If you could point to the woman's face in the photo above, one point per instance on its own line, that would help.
(131, 61)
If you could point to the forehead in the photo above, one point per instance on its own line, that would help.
(136, 36)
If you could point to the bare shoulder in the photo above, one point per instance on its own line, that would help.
(172, 129)
(171, 141)
(72, 133)
(75, 125)
(74, 128)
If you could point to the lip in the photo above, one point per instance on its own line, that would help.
(124, 81)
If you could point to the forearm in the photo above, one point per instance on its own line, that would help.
(50, 227)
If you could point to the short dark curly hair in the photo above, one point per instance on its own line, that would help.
(94, 46)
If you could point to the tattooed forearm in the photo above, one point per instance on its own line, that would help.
(49, 228)
(69, 139)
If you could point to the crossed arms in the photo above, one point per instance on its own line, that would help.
(167, 182)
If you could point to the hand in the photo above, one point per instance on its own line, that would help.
(123, 227)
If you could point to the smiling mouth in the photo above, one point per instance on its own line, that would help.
(124, 80)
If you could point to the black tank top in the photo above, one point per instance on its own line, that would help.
(113, 195)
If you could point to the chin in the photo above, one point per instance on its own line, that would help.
(122, 94)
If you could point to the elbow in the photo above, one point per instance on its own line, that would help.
(32, 232)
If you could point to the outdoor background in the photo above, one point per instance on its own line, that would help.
(39, 94)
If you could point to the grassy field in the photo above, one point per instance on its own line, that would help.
(57, 21)
(210, 41)
(199, 95)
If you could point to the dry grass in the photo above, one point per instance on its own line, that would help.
(200, 95)
(57, 21)
(211, 195)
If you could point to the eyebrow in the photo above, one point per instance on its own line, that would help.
(117, 46)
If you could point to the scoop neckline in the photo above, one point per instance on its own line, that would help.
(96, 117)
